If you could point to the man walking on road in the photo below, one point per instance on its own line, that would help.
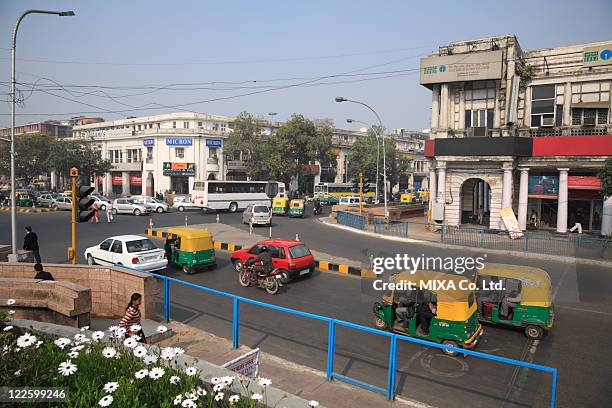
(109, 212)
(30, 243)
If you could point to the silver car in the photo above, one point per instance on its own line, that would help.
(258, 213)
(152, 203)
(127, 206)
(47, 200)
(63, 203)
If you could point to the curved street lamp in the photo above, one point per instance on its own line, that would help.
(13, 256)
(342, 99)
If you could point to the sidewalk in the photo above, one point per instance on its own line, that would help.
(231, 238)
(292, 378)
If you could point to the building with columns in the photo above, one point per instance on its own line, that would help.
(158, 153)
(521, 129)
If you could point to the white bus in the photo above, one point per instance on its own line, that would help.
(235, 195)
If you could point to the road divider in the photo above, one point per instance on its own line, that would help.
(29, 210)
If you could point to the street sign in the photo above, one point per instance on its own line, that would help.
(247, 364)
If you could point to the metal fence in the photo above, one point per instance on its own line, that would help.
(351, 220)
(389, 391)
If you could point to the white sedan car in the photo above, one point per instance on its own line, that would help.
(129, 250)
(183, 203)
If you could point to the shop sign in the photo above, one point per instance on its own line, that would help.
(461, 67)
(246, 365)
(117, 179)
(543, 186)
(511, 223)
(598, 55)
(214, 142)
(148, 142)
(136, 179)
(179, 141)
(179, 169)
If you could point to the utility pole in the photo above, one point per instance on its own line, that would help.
(360, 193)
(72, 251)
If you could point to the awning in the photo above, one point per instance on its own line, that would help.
(583, 183)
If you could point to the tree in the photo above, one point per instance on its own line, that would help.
(33, 155)
(83, 155)
(247, 138)
(363, 154)
(605, 175)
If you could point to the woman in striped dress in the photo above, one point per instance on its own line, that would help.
(132, 317)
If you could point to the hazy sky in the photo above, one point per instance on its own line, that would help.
(223, 47)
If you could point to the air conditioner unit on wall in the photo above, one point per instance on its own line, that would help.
(548, 122)
(589, 121)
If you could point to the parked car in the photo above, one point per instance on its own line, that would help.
(127, 206)
(183, 203)
(101, 200)
(47, 200)
(260, 214)
(293, 257)
(351, 201)
(63, 203)
(129, 250)
(152, 203)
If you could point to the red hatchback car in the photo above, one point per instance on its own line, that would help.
(294, 257)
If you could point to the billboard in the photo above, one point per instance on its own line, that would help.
(543, 186)
(179, 169)
(461, 67)
(597, 56)
(179, 141)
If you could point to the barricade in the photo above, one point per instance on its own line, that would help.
(351, 220)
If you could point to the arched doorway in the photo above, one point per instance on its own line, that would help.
(211, 176)
(475, 202)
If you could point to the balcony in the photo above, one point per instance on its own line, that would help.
(237, 165)
(173, 131)
(133, 166)
(600, 130)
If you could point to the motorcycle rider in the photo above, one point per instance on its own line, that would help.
(317, 206)
(266, 266)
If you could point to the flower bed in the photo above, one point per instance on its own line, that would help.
(107, 369)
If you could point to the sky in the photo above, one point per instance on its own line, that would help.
(224, 57)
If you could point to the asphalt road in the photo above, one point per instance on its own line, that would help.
(578, 345)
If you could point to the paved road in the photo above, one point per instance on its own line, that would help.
(578, 346)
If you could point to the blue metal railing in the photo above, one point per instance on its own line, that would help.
(389, 391)
(351, 220)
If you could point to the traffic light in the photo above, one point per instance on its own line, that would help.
(84, 203)
(366, 185)
(356, 187)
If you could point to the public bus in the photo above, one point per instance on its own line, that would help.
(235, 195)
(323, 191)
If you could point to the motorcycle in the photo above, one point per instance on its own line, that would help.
(270, 282)
(317, 210)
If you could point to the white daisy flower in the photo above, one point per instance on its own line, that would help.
(178, 351)
(97, 335)
(162, 329)
(5, 349)
(84, 328)
(228, 380)
(73, 354)
(136, 337)
(62, 342)
(191, 371)
(178, 399)
(191, 395)
(26, 340)
(119, 333)
(156, 373)
(150, 359)
(77, 348)
(215, 380)
(111, 387)
(112, 329)
(7, 328)
(167, 353)
(39, 343)
(130, 342)
(313, 403)
(201, 391)
(80, 337)
(219, 396)
(218, 387)
(135, 328)
(67, 368)
(256, 397)
(10, 302)
(174, 379)
(17, 373)
(106, 401)
(11, 312)
(265, 382)
(140, 351)
(109, 352)
(233, 399)
(140, 374)
(188, 403)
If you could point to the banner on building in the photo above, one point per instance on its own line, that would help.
(117, 179)
(461, 67)
(511, 223)
(247, 364)
(148, 142)
(179, 169)
(543, 186)
(136, 179)
(214, 142)
(597, 55)
(179, 141)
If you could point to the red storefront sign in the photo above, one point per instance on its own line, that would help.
(583, 183)
(135, 179)
(117, 179)
(572, 146)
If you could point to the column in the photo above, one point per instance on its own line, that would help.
(108, 185)
(475, 200)
(462, 109)
(480, 194)
(441, 182)
(522, 205)
(507, 185)
(567, 104)
(125, 183)
(562, 203)
(487, 197)
(435, 107)
(443, 121)
(606, 217)
(432, 183)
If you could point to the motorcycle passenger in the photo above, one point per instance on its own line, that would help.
(265, 258)
(317, 206)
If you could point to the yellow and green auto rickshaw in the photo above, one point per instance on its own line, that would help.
(407, 199)
(280, 206)
(190, 248)
(518, 296)
(455, 318)
(296, 208)
(23, 199)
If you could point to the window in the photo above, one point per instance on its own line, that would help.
(589, 116)
(105, 246)
(139, 127)
(299, 251)
(179, 152)
(116, 156)
(479, 118)
(255, 250)
(133, 156)
(273, 251)
(543, 107)
(173, 125)
(237, 155)
(199, 124)
(223, 127)
(261, 209)
(140, 245)
(150, 126)
(282, 253)
(212, 152)
(117, 247)
(185, 125)
(149, 153)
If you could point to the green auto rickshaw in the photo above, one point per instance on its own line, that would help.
(447, 296)
(280, 206)
(23, 199)
(296, 208)
(518, 296)
(190, 248)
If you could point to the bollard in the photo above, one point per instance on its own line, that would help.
(297, 238)
(217, 218)
(151, 224)
(251, 226)
(185, 220)
(270, 235)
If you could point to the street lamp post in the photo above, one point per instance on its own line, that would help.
(341, 99)
(13, 256)
(377, 149)
(271, 115)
